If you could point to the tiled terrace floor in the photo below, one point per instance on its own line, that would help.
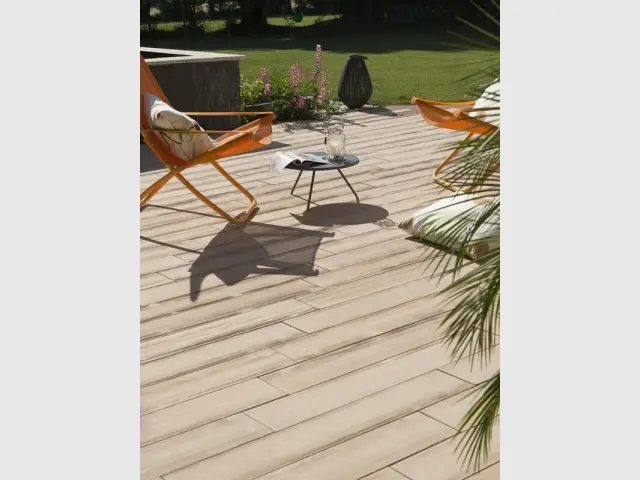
(302, 346)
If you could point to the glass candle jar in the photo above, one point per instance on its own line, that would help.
(334, 142)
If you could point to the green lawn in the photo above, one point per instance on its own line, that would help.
(402, 63)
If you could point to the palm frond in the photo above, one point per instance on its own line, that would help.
(472, 299)
(473, 306)
(477, 425)
(472, 41)
(475, 164)
(487, 14)
(480, 29)
(491, 71)
(471, 295)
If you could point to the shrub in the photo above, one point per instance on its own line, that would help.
(297, 95)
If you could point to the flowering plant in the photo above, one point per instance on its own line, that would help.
(297, 95)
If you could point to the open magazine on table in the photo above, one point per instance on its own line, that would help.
(282, 159)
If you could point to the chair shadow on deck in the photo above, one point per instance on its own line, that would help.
(256, 248)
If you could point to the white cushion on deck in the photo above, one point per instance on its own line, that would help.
(432, 223)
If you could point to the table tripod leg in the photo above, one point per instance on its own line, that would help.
(313, 177)
(349, 185)
(296, 184)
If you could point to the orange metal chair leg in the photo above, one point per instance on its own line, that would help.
(240, 219)
(204, 199)
(176, 172)
(155, 188)
(253, 203)
(445, 162)
(448, 185)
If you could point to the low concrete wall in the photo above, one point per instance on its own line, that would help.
(199, 82)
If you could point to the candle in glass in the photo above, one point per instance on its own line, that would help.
(334, 142)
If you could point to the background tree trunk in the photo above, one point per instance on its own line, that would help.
(253, 17)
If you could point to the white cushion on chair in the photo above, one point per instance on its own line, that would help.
(489, 98)
(185, 146)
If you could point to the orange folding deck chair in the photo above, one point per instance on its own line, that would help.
(243, 139)
(461, 119)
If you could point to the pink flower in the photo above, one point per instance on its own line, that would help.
(323, 87)
(294, 75)
(267, 89)
(263, 76)
(316, 68)
(300, 102)
(305, 74)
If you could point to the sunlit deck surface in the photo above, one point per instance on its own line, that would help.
(304, 345)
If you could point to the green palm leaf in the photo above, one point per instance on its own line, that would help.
(477, 425)
(471, 295)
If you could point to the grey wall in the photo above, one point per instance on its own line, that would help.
(203, 87)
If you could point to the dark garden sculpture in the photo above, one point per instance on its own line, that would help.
(355, 87)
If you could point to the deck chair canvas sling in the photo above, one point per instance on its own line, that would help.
(243, 139)
(466, 118)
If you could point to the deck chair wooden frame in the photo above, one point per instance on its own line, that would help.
(243, 139)
(459, 120)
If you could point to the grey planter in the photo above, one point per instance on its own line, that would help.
(355, 87)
